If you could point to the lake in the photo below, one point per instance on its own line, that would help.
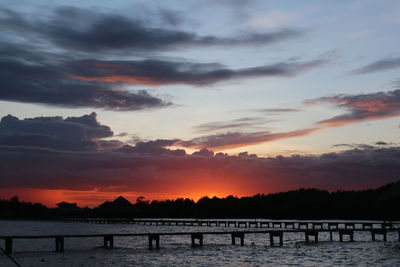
(176, 250)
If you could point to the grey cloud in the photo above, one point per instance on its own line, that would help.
(157, 147)
(278, 110)
(153, 167)
(231, 140)
(241, 123)
(161, 72)
(91, 31)
(72, 133)
(378, 66)
(363, 107)
(355, 146)
(38, 77)
(107, 170)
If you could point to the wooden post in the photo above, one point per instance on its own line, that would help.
(155, 237)
(331, 225)
(59, 243)
(311, 233)
(289, 224)
(314, 225)
(108, 241)
(8, 242)
(198, 236)
(239, 223)
(239, 235)
(303, 224)
(366, 225)
(379, 232)
(346, 232)
(278, 234)
(386, 225)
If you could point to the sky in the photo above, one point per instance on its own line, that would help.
(168, 99)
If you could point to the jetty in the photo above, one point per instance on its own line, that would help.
(248, 223)
(197, 238)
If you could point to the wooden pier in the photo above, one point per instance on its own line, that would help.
(255, 223)
(154, 239)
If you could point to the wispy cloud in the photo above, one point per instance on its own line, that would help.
(161, 72)
(90, 31)
(278, 110)
(232, 140)
(363, 107)
(379, 66)
(241, 123)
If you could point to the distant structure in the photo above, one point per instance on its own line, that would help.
(119, 203)
(67, 206)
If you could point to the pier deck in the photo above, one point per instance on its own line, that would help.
(109, 238)
(249, 223)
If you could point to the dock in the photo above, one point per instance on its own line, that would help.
(248, 223)
(197, 238)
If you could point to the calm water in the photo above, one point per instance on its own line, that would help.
(176, 251)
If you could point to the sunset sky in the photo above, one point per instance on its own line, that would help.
(168, 99)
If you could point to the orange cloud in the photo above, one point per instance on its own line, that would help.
(118, 79)
(225, 141)
(364, 107)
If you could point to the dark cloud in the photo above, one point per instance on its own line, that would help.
(160, 72)
(157, 147)
(382, 143)
(203, 153)
(38, 77)
(237, 139)
(72, 133)
(363, 107)
(355, 146)
(90, 31)
(201, 172)
(153, 167)
(378, 66)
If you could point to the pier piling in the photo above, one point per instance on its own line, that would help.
(300, 224)
(333, 226)
(9, 243)
(278, 234)
(367, 225)
(291, 224)
(108, 241)
(315, 225)
(382, 232)
(349, 225)
(156, 238)
(309, 233)
(198, 236)
(239, 235)
(59, 243)
(344, 232)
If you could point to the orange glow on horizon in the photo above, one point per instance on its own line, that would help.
(184, 185)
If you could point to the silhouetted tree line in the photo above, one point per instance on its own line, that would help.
(16, 209)
(381, 203)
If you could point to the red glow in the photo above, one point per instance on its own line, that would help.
(118, 79)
